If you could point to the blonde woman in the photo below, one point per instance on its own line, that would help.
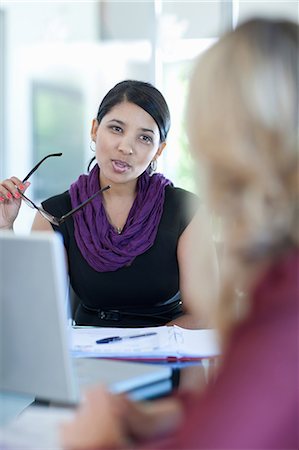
(243, 128)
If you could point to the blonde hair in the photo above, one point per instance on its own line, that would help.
(242, 120)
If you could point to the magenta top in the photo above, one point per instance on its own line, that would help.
(254, 403)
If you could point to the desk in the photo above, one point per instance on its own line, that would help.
(11, 405)
(38, 423)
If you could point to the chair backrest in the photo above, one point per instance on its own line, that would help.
(74, 302)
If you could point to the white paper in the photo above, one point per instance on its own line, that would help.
(168, 342)
(37, 428)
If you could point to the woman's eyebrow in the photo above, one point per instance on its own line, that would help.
(147, 130)
(120, 122)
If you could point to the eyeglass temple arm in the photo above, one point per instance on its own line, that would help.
(84, 203)
(38, 164)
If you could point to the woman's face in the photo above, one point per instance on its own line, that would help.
(127, 140)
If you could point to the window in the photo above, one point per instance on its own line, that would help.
(57, 126)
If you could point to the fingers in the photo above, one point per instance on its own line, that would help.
(148, 420)
(9, 189)
(98, 422)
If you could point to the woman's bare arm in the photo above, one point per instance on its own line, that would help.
(199, 273)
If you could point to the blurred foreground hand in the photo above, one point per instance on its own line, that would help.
(113, 421)
(97, 422)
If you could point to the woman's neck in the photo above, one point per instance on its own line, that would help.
(118, 203)
(120, 190)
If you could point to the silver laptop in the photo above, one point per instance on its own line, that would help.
(35, 354)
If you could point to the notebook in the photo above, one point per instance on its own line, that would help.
(164, 343)
(35, 339)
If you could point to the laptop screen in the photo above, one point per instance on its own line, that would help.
(34, 347)
(33, 317)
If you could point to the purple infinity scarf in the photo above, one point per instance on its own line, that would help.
(102, 247)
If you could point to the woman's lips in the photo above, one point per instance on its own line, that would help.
(120, 166)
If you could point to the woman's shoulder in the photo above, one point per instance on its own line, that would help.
(181, 197)
(180, 206)
(180, 192)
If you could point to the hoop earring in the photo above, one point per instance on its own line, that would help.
(92, 148)
(152, 167)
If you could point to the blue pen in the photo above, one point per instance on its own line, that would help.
(111, 339)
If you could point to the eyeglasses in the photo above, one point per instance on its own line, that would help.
(52, 219)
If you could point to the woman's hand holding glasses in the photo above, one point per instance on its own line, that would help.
(10, 200)
(12, 192)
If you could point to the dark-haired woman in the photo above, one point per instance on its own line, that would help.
(129, 249)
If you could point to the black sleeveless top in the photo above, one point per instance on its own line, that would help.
(146, 293)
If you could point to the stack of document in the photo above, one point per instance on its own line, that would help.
(170, 343)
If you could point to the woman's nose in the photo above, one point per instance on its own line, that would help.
(125, 147)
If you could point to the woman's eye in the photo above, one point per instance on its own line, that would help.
(116, 128)
(146, 139)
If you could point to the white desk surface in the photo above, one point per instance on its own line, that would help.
(11, 405)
